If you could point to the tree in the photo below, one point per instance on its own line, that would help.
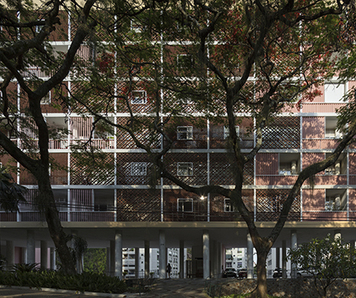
(95, 260)
(256, 58)
(326, 259)
(11, 194)
(33, 73)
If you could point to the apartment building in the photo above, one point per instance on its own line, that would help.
(116, 208)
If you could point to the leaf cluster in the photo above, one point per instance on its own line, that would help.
(11, 194)
(87, 281)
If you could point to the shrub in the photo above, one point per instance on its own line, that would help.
(87, 281)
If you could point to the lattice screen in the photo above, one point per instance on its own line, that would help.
(177, 163)
(218, 211)
(137, 95)
(100, 99)
(125, 141)
(180, 205)
(26, 178)
(283, 133)
(222, 170)
(138, 205)
(133, 168)
(270, 203)
(181, 104)
(86, 170)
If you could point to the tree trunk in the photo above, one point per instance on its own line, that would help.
(261, 288)
(60, 239)
(262, 247)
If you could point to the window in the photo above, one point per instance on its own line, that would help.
(185, 205)
(289, 164)
(227, 133)
(185, 169)
(334, 92)
(135, 26)
(39, 27)
(339, 168)
(185, 132)
(185, 61)
(228, 207)
(330, 128)
(138, 169)
(333, 170)
(335, 200)
(333, 204)
(138, 97)
(46, 99)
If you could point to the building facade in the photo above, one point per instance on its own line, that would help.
(115, 207)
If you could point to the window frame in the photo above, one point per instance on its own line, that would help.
(133, 171)
(46, 100)
(143, 97)
(39, 27)
(330, 201)
(188, 133)
(134, 26)
(227, 133)
(228, 207)
(335, 85)
(189, 169)
(181, 203)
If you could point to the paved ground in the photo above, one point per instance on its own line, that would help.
(172, 288)
(178, 288)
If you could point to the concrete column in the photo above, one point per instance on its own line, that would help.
(78, 261)
(214, 270)
(118, 254)
(107, 269)
(52, 259)
(112, 258)
(30, 247)
(44, 255)
(278, 257)
(220, 258)
(206, 254)
(294, 245)
(137, 262)
(162, 255)
(147, 258)
(10, 256)
(181, 259)
(284, 261)
(249, 257)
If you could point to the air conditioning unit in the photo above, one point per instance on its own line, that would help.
(337, 203)
(337, 168)
(338, 134)
(293, 167)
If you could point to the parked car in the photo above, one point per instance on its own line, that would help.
(307, 273)
(277, 273)
(243, 273)
(229, 272)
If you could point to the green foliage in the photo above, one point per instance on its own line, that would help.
(95, 260)
(87, 281)
(326, 259)
(23, 267)
(11, 194)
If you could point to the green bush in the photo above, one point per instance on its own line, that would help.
(87, 281)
